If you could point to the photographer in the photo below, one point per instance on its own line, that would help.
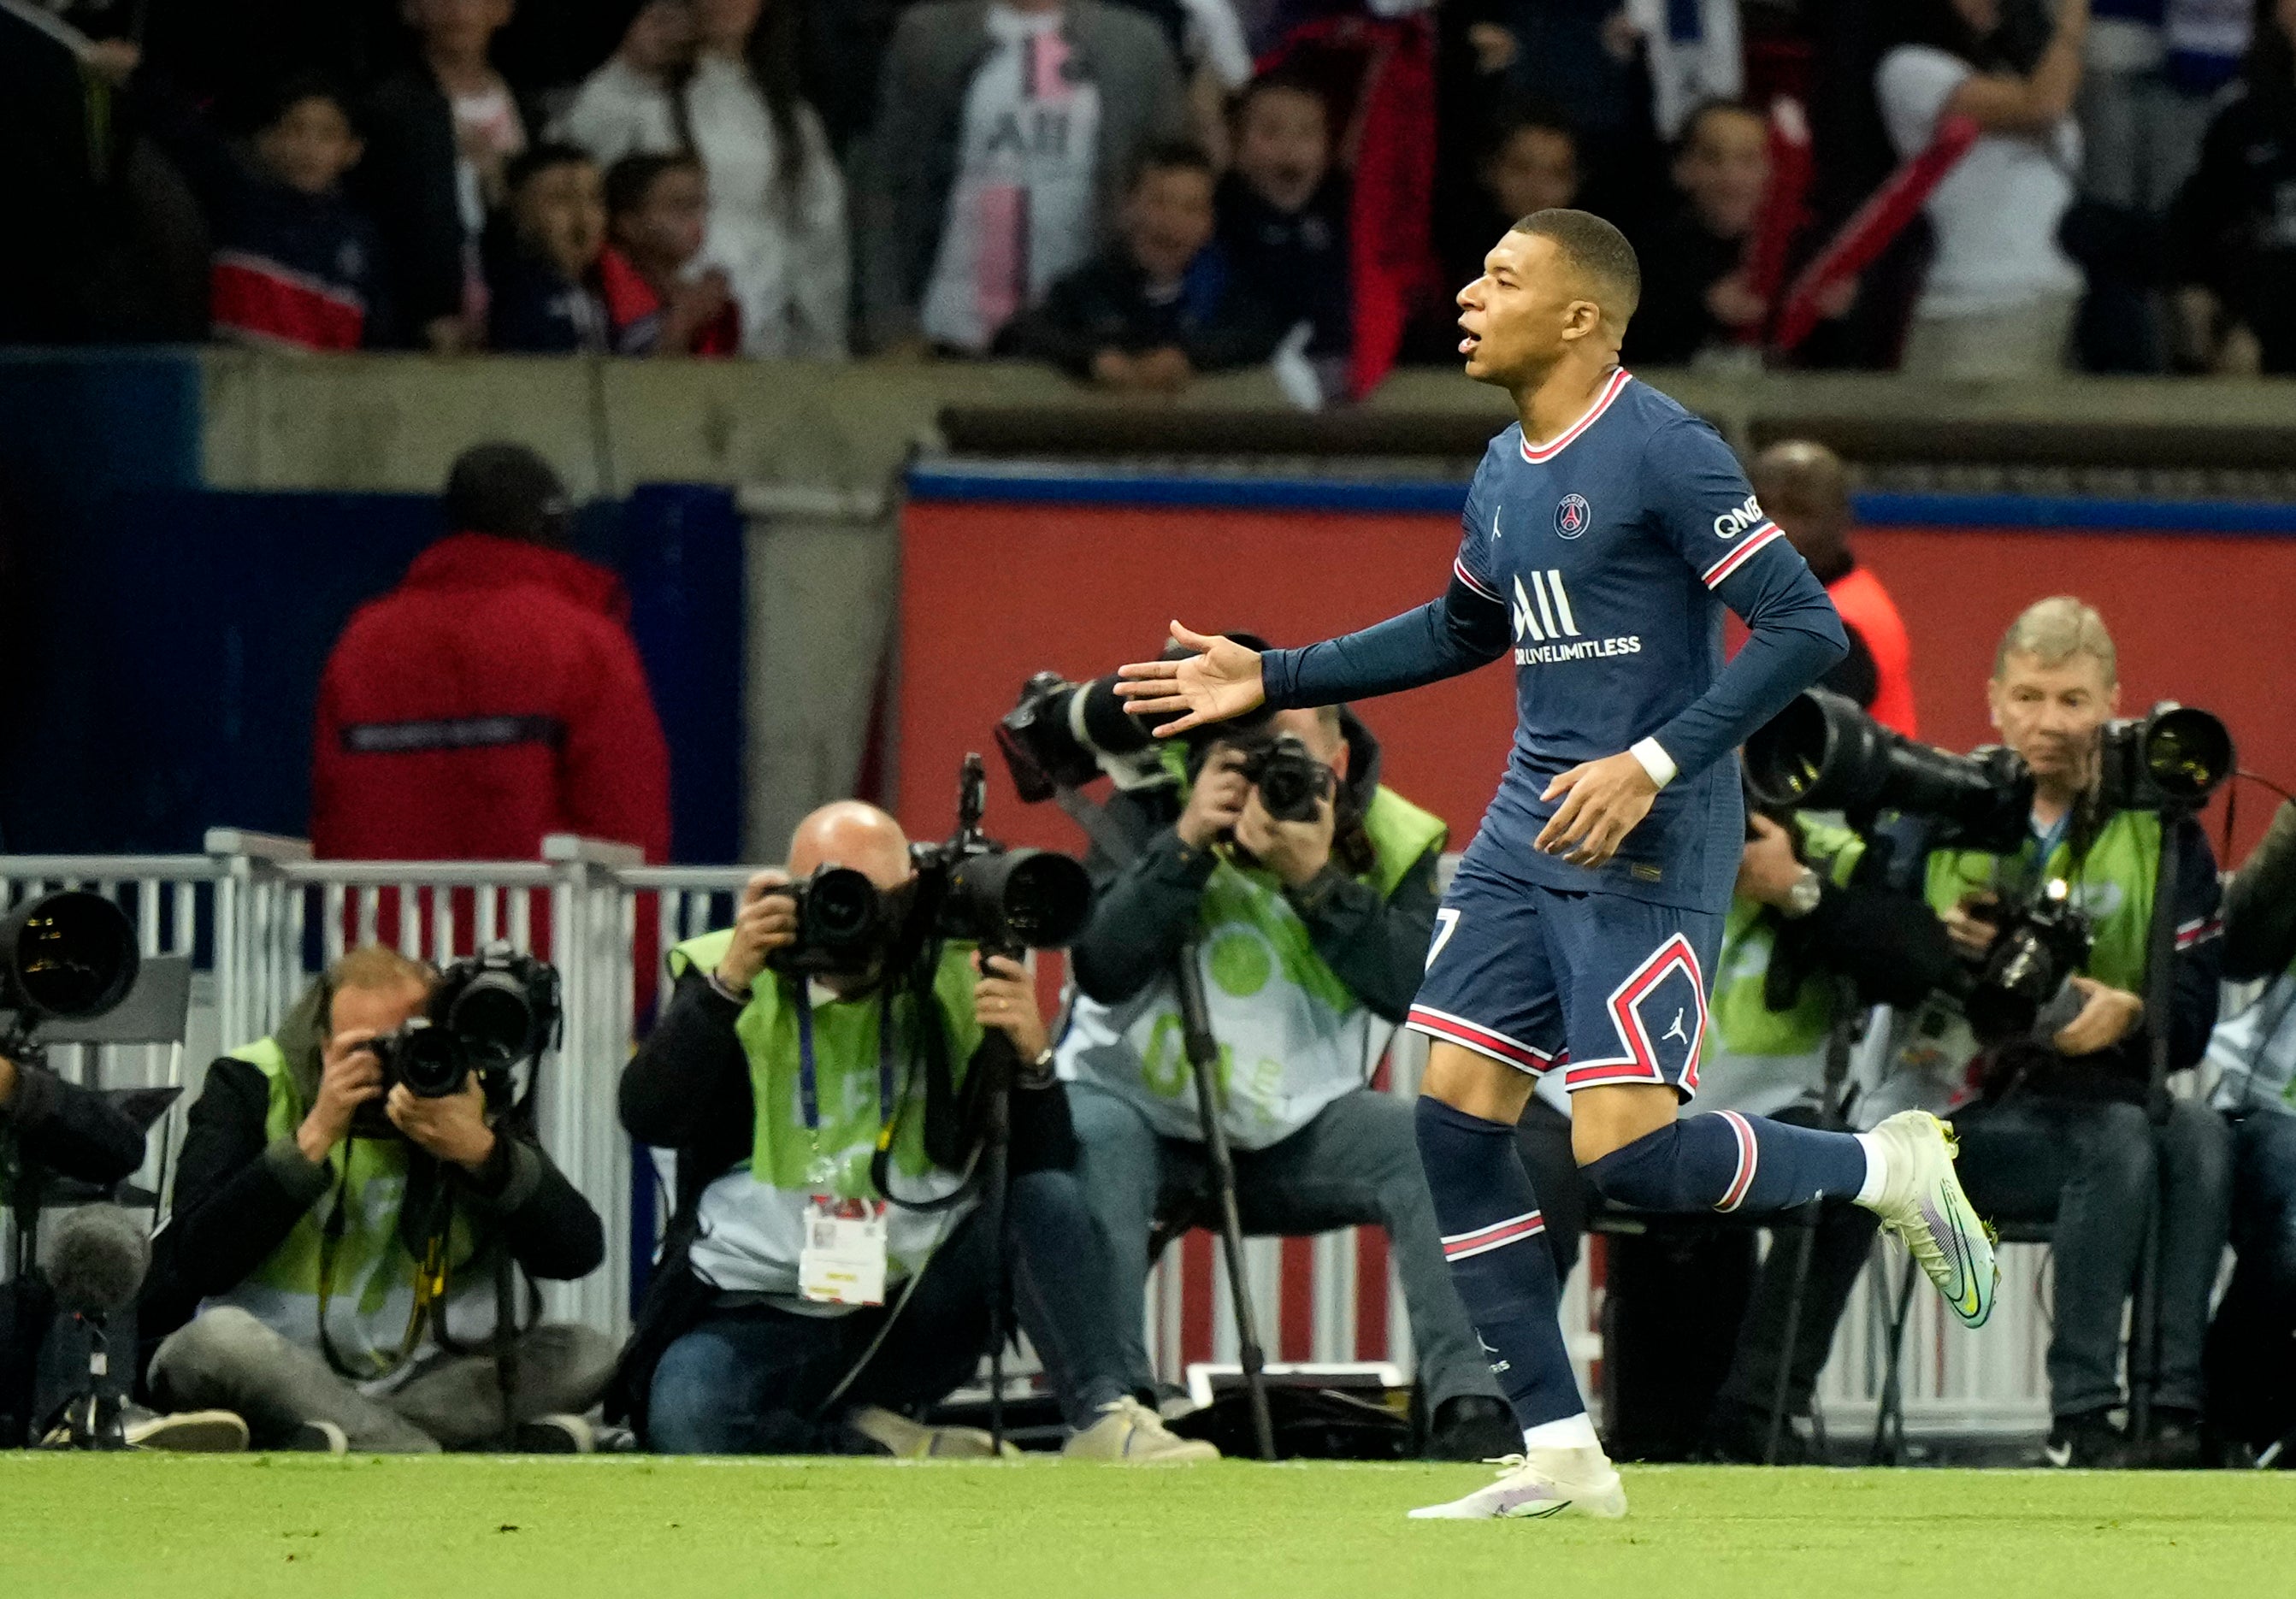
(1312, 934)
(2062, 1124)
(794, 1311)
(2251, 1395)
(340, 1243)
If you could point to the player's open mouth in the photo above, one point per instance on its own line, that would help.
(1467, 345)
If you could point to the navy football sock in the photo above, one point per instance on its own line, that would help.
(1726, 1161)
(1494, 1239)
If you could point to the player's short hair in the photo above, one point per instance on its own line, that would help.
(1598, 251)
(2054, 631)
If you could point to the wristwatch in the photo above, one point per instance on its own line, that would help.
(1803, 897)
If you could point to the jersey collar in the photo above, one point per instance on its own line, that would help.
(1540, 453)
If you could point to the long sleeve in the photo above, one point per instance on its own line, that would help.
(687, 1088)
(1793, 633)
(1377, 947)
(1444, 638)
(1060, 329)
(550, 1229)
(1142, 910)
(71, 1131)
(238, 1194)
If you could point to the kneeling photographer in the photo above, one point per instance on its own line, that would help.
(1307, 891)
(2043, 860)
(352, 1194)
(825, 1071)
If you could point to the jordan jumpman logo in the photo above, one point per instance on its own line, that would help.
(1676, 1031)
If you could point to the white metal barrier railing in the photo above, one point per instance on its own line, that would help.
(259, 919)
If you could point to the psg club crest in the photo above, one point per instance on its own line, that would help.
(1572, 515)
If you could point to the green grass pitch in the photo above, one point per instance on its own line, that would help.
(495, 1528)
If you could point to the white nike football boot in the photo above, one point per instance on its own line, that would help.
(1922, 1203)
(1545, 1483)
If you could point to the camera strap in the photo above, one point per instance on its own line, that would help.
(808, 1081)
(430, 1282)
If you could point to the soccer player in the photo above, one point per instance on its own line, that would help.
(1603, 537)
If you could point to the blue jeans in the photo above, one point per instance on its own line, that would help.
(753, 1379)
(1356, 1164)
(2101, 1166)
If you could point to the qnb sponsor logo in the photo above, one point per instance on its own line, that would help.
(1547, 632)
(1731, 523)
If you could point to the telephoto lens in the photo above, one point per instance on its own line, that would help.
(66, 956)
(1292, 783)
(430, 1060)
(1012, 900)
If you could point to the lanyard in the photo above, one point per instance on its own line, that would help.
(808, 1082)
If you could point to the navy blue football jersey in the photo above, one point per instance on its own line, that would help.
(1600, 564)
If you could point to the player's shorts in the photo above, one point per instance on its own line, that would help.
(1608, 988)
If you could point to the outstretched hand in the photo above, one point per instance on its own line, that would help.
(1221, 680)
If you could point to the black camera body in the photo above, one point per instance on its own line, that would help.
(2039, 941)
(489, 1012)
(2171, 759)
(844, 923)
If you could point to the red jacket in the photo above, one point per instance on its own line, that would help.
(493, 697)
(1865, 605)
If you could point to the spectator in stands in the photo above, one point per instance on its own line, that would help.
(440, 137)
(744, 1344)
(2155, 71)
(1695, 296)
(1805, 488)
(1005, 135)
(308, 1201)
(545, 256)
(2001, 292)
(1283, 213)
(629, 106)
(1312, 935)
(494, 697)
(776, 221)
(658, 303)
(2235, 224)
(1528, 161)
(1580, 56)
(2251, 1391)
(296, 262)
(2059, 1128)
(1161, 307)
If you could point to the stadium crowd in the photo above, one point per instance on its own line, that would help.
(1139, 190)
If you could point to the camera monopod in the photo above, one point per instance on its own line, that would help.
(1203, 1050)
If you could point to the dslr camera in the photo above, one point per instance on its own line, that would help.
(1063, 734)
(970, 889)
(488, 1013)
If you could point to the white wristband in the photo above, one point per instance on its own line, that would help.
(1655, 760)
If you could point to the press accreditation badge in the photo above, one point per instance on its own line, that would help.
(843, 1259)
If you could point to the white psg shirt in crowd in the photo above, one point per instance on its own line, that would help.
(1996, 214)
(1024, 208)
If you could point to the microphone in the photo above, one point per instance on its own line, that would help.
(97, 1261)
(96, 1267)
